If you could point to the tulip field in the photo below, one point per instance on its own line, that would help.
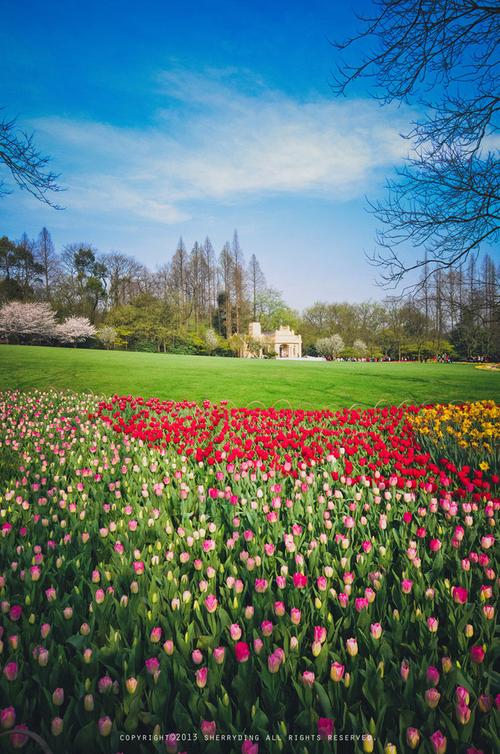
(193, 577)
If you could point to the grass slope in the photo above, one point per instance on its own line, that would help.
(241, 381)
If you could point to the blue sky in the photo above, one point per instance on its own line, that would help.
(168, 119)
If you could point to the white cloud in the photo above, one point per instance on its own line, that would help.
(215, 142)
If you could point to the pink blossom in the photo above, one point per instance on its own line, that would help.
(325, 728)
(241, 651)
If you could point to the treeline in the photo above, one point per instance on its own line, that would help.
(201, 301)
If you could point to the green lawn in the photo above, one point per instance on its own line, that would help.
(241, 381)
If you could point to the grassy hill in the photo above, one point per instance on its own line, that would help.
(299, 384)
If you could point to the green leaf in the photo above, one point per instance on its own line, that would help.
(324, 700)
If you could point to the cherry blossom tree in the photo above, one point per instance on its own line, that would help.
(33, 321)
(75, 330)
(211, 340)
(331, 346)
(360, 348)
(107, 335)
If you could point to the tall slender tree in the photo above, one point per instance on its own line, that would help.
(257, 282)
(47, 258)
(227, 278)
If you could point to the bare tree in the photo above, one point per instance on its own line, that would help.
(47, 259)
(257, 282)
(210, 278)
(239, 282)
(443, 56)
(25, 163)
(227, 277)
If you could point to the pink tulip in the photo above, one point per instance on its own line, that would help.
(274, 662)
(58, 697)
(325, 728)
(242, 651)
(488, 612)
(105, 684)
(412, 737)
(463, 713)
(405, 670)
(258, 645)
(201, 677)
(10, 671)
(266, 627)
(320, 634)
(17, 739)
(459, 594)
(485, 703)
(299, 580)
(7, 717)
(168, 647)
(432, 697)
(432, 675)
(308, 678)
(15, 612)
(352, 647)
(249, 747)
(477, 654)
(56, 726)
(104, 726)
(218, 654)
(279, 609)
(360, 603)
(337, 671)
(439, 742)
(197, 656)
(235, 631)
(295, 616)
(155, 635)
(208, 728)
(152, 665)
(211, 603)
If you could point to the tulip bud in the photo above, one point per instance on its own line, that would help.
(88, 703)
(218, 655)
(368, 743)
(405, 670)
(485, 703)
(352, 647)
(390, 749)
(412, 737)
(7, 718)
(446, 664)
(316, 648)
(104, 725)
(58, 697)
(131, 684)
(432, 697)
(56, 726)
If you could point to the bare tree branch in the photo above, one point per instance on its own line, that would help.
(443, 56)
(26, 164)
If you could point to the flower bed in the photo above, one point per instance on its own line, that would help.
(298, 581)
